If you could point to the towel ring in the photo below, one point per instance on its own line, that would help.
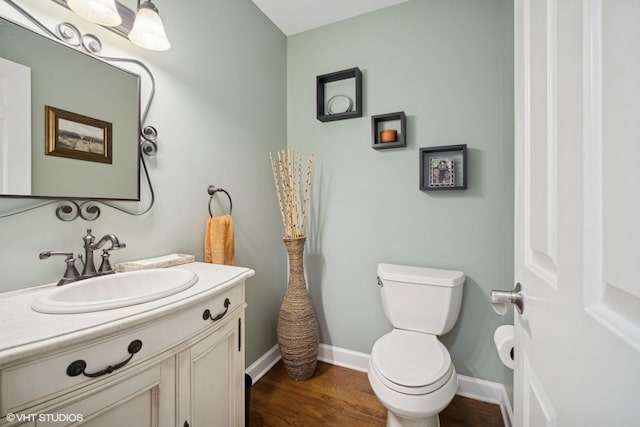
(213, 190)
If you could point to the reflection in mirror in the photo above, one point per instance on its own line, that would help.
(44, 73)
(88, 208)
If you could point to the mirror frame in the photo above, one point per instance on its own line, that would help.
(69, 209)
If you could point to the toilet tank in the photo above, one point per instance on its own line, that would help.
(420, 299)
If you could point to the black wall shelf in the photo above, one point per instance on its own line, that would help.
(443, 168)
(391, 121)
(339, 95)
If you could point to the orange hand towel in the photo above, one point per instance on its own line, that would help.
(219, 246)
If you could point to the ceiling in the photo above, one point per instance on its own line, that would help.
(296, 16)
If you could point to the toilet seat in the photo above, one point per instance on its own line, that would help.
(411, 362)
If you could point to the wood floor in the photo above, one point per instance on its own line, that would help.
(342, 397)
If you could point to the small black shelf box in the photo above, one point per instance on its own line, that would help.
(383, 127)
(443, 168)
(339, 95)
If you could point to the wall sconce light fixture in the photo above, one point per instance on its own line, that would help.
(146, 31)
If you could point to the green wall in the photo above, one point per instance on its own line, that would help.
(233, 88)
(448, 65)
(220, 108)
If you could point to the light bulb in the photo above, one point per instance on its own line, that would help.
(101, 12)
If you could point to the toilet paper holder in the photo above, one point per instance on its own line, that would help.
(504, 339)
(515, 297)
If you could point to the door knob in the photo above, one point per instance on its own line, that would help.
(499, 299)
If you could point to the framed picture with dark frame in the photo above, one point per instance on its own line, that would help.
(443, 168)
(79, 137)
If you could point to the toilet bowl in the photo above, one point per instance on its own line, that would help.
(412, 375)
(410, 370)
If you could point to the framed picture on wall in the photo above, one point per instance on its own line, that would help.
(443, 168)
(442, 174)
(79, 137)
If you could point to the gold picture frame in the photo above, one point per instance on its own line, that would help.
(78, 137)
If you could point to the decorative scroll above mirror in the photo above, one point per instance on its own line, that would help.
(89, 152)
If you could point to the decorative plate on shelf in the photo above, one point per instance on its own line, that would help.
(339, 104)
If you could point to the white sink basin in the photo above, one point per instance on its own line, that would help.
(115, 290)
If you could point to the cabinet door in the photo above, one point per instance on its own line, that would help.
(144, 399)
(211, 376)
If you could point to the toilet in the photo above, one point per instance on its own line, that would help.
(410, 370)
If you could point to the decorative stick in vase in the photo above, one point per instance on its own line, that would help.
(293, 203)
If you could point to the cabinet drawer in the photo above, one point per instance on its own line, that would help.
(29, 384)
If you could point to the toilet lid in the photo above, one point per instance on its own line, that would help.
(411, 362)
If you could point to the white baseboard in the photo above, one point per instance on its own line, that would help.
(343, 357)
(473, 388)
(486, 391)
(261, 366)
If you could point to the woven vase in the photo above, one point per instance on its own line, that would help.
(297, 323)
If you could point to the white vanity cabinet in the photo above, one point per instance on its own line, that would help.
(184, 361)
(211, 379)
(145, 398)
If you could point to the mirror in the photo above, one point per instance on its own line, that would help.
(88, 148)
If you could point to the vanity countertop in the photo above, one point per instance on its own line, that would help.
(24, 330)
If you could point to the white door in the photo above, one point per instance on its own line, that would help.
(577, 237)
(15, 128)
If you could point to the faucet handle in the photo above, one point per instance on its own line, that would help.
(47, 254)
(71, 273)
(105, 266)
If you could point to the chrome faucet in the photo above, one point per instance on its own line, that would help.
(89, 268)
(71, 274)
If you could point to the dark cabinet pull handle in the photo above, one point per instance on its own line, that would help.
(186, 424)
(76, 368)
(207, 313)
